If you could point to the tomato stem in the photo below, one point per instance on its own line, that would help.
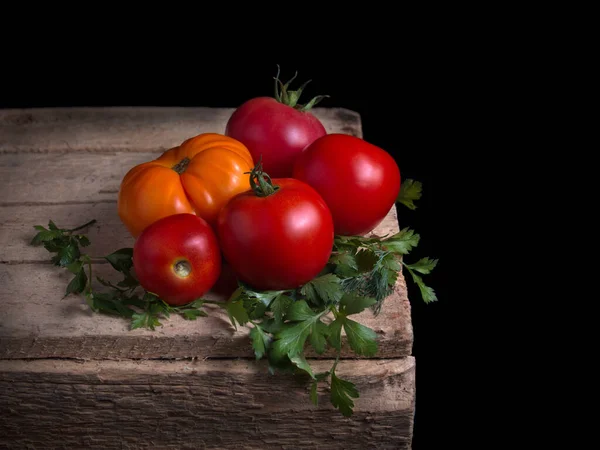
(290, 98)
(260, 182)
(181, 165)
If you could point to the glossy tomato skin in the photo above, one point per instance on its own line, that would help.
(358, 180)
(274, 131)
(165, 250)
(197, 177)
(281, 241)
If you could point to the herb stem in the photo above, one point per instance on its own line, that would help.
(334, 310)
(91, 222)
(337, 360)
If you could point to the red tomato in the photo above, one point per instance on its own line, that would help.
(358, 180)
(278, 129)
(278, 235)
(177, 258)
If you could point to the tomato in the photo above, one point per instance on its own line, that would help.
(277, 128)
(278, 235)
(177, 258)
(197, 177)
(358, 180)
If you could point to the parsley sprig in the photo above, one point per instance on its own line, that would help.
(360, 274)
(126, 298)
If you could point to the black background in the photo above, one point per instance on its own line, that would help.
(412, 114)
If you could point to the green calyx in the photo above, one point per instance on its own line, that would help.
(260, 182)
(290, 98)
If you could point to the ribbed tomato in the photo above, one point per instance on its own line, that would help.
(197, 177)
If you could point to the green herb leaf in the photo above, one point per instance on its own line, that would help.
(323, 290)
(110, 303)
(150, 318)
(192, 314)
(301, 363)
(334, 334)
(345, 264)
(292, 338)
(83, 240)
(410, 190)
(342, 392)
(360, 338)
(78, 283)
(402, 242)
(67, 254)
(265, 297)
(44, 236)
(300, 311)
(318, 336)
(353, 303)
(279, 307)
(366, 260)
(424, 265)
(235, 309)
(121, 260)
(260, 341)
(427, 293)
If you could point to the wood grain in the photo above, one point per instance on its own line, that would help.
(200, 404)
(128, 129)
(39, 322)
(73, 379)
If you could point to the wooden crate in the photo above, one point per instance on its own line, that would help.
(73, 379)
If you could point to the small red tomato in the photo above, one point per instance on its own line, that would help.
(276, 129)
(278, 235)
(177, 258)
(358, 180)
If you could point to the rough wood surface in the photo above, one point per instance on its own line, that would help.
(137, 129)
(199, 404)
(155, 389)
(39, 322)
(66, 165)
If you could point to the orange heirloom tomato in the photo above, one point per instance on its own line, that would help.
(197, 177)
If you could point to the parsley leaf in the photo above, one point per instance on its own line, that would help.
(410, 190)
(150, 317)
(402, 242)
(318, 336)
(79, 281)
(344, 263)
(424, 265)
(260, 341)
(300, 361)
(427, 293)
(279, 307)
(342, 393)
(237, 313)
(353, 303)
(360, 338)
(323, 290)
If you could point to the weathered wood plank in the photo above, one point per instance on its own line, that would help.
(44, 152)
(145, 129)
(37, 322)
(107, 235)
(199, 404)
